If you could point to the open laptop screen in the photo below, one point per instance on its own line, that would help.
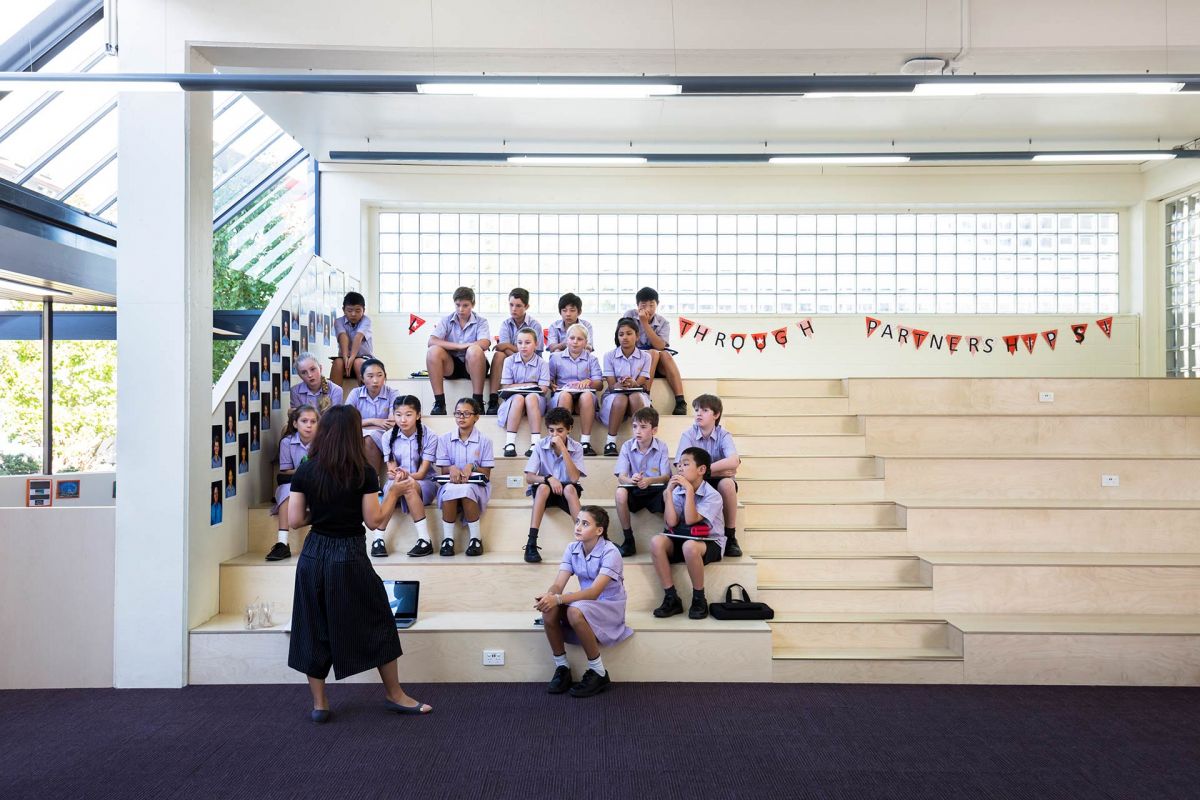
(403, 596)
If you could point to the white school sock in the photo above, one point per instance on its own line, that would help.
(473, 528)
(534, 438)
(596, 665)
(422, 528)
(448, 530)
(610, 439)
(560, 661)
(585, 438)
(377, 535)
(283, 536)
(510, 437)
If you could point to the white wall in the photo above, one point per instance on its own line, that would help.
(95, 489)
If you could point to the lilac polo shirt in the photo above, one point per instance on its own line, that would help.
(658, 322)
(710, 506)
(546, 462)
(654, 463)
(558, 332)
(618, 365)
(404, 452)
(378, 407)
(449, 329)
(719, 444)
(452, 451)
(564, 369)
(292, 452)
(509, 330)
(605, 559)
(342, 325)
(535, 370)
(302, 395)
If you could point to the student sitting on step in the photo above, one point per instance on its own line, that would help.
(298, 434)
(625, 368)
(525, 369)
(693, 532)
(553, 472)
(313, 389)
(569, 309)
(708, 433)
(456, 350)
(644, 466)
(410, 451)
(462, 452)
(594, 616)
(575, 378)
(506, 344)
(374, 403)
(654, 336)
(354, 341)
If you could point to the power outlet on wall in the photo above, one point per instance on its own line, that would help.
(513, 481)
(1045, 397)
(1110, 480)
(493, 658)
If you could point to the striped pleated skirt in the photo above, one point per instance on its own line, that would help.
(340, 613)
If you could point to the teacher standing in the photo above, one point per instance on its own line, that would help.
(340, 614)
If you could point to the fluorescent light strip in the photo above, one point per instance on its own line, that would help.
(1103, 157)
(29, 288)
(567, 91)
(838, 159)
(587, 161)
(970, 88)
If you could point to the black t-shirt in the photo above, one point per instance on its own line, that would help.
(340, 516)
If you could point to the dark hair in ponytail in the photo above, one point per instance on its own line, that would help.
(626, 322)
(413, 402)
(294, 416)
(599, 516)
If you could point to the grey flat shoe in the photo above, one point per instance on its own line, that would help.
(399, 709)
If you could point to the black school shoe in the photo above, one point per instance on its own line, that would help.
(378, 549)
(561, 681)
(732, 548)
(438, 410)
(475, 548)
(699, 609)
(493, 408)
(447, 547)
(610, 449)
(588, 450)
(670, 607)
(280, 552)
(531, 551)
(628, 547)
(510, 451)
(681, 408)
(421, 548)
(592, 683)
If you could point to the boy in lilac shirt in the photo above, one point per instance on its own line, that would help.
(643, 466)
(691, 505)
(569, 309)
(553, 471)
(655, 335)
(313, 390)
(710, 436)
(518, 309)
(355, 344)
(456, 350)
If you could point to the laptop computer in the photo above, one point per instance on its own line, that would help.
(402, 596)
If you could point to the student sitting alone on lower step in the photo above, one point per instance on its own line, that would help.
(694, 533)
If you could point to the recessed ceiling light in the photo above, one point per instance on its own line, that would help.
(565, 91)
(590, 161)
(847, 159)
(1086, 157)
(969, 88)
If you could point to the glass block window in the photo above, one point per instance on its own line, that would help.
(1183, 286)
(1006, 263)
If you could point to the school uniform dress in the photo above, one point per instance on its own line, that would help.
(557, 332)
(618, 365)
(454, 452)
(450, 329)
(292, 453)
(378, 407)
(654, 463)
(718, 444)
(535, 370)
(509, 329)
(564, 369)
(606, 614)
(329, 395)
(343, 325)
(340, 612)
(658, 323)
(545, 461)
(405, 453)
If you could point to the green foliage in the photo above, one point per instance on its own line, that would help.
(19, 464)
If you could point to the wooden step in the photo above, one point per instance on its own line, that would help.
(793, 630)
(782, 539)
(817, 513)
(871, 597)
(812, 489)
(816, 568)
(835, 444)
(448, 646)
(809, 467)
(787, 387)
(785, 406)
(866, 665)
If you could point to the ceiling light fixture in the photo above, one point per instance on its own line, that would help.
(588, 161)
(967, 88)
(847, 159)
(563, 91)
(1102, 157)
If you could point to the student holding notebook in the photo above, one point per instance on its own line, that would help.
(694, 533)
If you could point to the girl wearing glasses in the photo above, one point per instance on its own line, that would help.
(460, 453)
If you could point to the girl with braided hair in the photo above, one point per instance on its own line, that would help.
(410, 449)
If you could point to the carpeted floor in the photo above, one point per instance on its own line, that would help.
(660, 741)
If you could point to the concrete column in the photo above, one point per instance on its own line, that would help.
(164, 357)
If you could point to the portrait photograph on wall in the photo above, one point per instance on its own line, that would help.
(264, 366)
(216, 447)
(266, 410)
(243, 453)
(230, 476)
(254, 382)
(255, 433)
(285, 328)
(276, 391)
(325, 329)
(216, 508)
(230, 422)
(303, 338)
(243, 401)
(286, 374)
(275, 349)
(295, 355)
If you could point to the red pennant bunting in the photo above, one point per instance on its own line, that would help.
(952, 340)
(1011, 343)
(1105, 325)
(737, 341)
(806, 327)
(1079, 330)
(919, 337)
(685, 325)
(414, 322)
(872, 324)
(1029, 340)
(901, 334)
(1051, 337)
(780, 335)
(760, 340)
(545, 336)
(701, 332)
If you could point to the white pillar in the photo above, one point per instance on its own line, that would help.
(164, 358)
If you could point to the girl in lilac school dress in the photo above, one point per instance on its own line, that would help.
(461, 452)
(525, 368)
(575, 378)
(298, 434)
(625, 367)
(410, 451)
(593, 617)
(374, 402)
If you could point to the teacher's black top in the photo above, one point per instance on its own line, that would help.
(339, 517)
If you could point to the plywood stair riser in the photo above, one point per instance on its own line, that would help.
(800, 387)
(1089, 660)
(800, 445)
(488, 583)
(811, 489)
(855, 540)
(1073, 479)
(843, 599)
(1033, 435)
(867, 670)
(850, 569)
(817, 514)
(1096, 530)
(1062, 589)
(916, 634)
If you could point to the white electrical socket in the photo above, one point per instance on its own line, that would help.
(514, 481)
(1045, 397)
(493, 658)
(1110, 480)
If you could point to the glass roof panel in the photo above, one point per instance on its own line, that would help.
(19, 14)
(96, 191)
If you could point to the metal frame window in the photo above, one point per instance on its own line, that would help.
(1183, 285)
(922, 263)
